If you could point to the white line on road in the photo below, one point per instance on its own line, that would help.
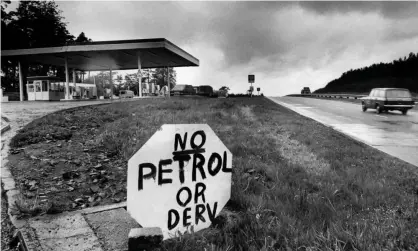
(382, 116)
(343, 117)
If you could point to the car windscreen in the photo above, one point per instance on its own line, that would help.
(398, 94)
(179, 88)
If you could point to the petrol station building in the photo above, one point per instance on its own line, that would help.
(104, 56)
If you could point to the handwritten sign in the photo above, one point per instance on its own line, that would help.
(180, 179)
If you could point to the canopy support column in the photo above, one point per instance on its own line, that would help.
(20, 80)
(139, 76)
(67, 80)
(75, 82)
(168, 81)
(111, 84)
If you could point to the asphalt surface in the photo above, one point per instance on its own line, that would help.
(392, 132)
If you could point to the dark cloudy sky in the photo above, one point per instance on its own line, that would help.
(287, 45)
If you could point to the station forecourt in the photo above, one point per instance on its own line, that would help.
(104, 56)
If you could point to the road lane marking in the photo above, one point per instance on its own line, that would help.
(382, 116)
(343, 117)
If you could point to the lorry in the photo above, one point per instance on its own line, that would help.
(305, 90)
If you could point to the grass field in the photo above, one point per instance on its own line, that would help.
(297, 185)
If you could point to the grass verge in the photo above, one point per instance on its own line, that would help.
(297, 185)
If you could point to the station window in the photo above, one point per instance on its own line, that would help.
(30, 87)
(44, 85)
(53, 86)
(37, 86)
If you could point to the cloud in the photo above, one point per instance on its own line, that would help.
(286, 44)
(389, 9)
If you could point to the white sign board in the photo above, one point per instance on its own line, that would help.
(180, 179)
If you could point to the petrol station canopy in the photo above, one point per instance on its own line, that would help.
(105, 55)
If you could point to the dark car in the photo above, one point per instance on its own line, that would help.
(205, 90)
(182, 90)
(388, 99)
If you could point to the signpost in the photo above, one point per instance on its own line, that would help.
(251, 80)
(180, 179)
(258, 90)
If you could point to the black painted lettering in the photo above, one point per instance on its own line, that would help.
(171, 213)
(212, 213)
(187, 152)
(192, 140)
(188, 199)
(161, 171)
(200, 210)
(218, 158)
(224, 163)
(178, 140)
(199, 191)
(181, 159)
(186, 216)
(198, 162)
(142, 176)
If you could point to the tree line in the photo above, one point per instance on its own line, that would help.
(401, 73)
(37, 24)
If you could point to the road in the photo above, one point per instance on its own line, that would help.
(392, 132)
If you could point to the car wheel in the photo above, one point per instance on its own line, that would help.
(363, 107)
(404, 111)
(378, 109)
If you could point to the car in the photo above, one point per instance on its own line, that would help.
(388, 99)
(205, 90)
(126, 94)
(182, 90)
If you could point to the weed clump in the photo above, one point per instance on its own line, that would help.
(32, 136)
(176, 106)
(224, 105)
(25, 207)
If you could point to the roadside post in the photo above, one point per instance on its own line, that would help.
(179, 180)
(251, 80)
(258, 90)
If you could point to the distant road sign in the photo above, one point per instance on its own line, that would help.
(251, 78)
(258, 89)
(180, 179)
